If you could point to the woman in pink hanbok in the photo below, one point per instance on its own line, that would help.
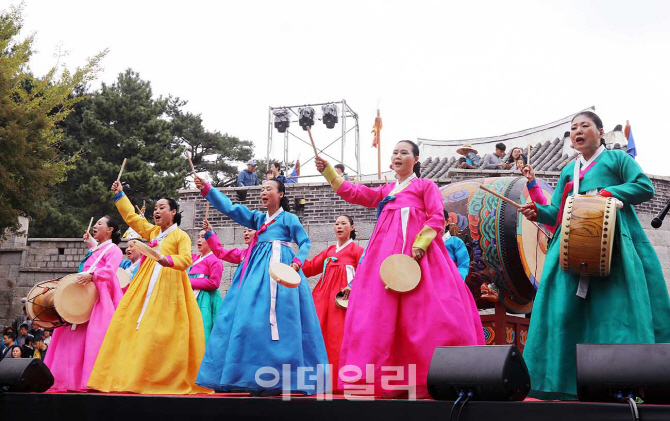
(396, 332)
(73, 349)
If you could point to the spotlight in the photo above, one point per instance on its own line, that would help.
(306, 117)
(329, 115)
(282, 119)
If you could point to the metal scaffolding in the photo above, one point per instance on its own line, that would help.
(345, 113)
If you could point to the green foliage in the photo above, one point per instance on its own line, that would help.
(120, 121)
(31, 110)
(124, 120)
(212, 152)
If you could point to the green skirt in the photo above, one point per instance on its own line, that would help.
(209, 303)
(629, 306)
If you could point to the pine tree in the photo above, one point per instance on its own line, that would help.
(31, 110)
(122, 120)
(212, 152)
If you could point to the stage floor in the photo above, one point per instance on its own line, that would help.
(72, 406)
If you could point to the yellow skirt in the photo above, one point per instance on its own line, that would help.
(163, 354)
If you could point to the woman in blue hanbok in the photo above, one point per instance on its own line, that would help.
(266, 337)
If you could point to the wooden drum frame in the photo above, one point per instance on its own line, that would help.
(587, 235)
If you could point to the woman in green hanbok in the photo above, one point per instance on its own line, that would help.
(631, 305)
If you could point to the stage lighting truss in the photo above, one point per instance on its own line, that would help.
(282, 119)
(329, 112)
(306, 117)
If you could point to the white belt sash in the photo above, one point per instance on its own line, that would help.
(404, 217)
(154, 275)
(276, 257)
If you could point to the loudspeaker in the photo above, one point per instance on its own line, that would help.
(491, 372)
(608, 372)
(25, 375)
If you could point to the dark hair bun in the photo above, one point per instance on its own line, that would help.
(116, 237)
(417, 169)
(284, 203)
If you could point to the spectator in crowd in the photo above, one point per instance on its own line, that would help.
(47, 337)
(520, 165)
(515, 156)
(277, 173)
(27, 348)
(21, 319)
(40, 348)
(9, 341)
(470, 159)
(14, 351)
(339, 169)
(269, 175)
(2, 343)
(23, 334)
(248, 177)
(7, 330)
(494, 161)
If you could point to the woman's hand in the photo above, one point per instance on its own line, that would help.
(417, 253)
(117, 187)
(199, 182)
(89, 241)
(205, 225)
(528, 172)
(529, 210)
(321, 164)
(345, 292)
(164, 262)
(295, 266)
(84, 278)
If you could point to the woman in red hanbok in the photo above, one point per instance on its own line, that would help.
(337, 266)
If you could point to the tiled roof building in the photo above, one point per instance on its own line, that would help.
(552, 154)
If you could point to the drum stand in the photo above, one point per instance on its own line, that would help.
(501, 328)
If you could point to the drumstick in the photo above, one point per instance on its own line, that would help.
(188, 155)
(89, 224)
(500, 196)
(139, 210)
(122, 167)
(528, 155)
(309, 131)
(207, 211)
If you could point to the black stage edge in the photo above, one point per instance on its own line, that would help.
(68, 407)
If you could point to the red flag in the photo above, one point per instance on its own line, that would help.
(376, 129)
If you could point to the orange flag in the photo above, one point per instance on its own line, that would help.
(376, 129)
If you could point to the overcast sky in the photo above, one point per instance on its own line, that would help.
(438, 69)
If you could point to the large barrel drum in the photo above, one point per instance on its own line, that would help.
(507, 251)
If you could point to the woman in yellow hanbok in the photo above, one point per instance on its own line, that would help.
(155, 341)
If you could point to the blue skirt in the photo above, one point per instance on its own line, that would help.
(241, 354)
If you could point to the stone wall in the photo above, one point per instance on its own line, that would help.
(42, 259)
